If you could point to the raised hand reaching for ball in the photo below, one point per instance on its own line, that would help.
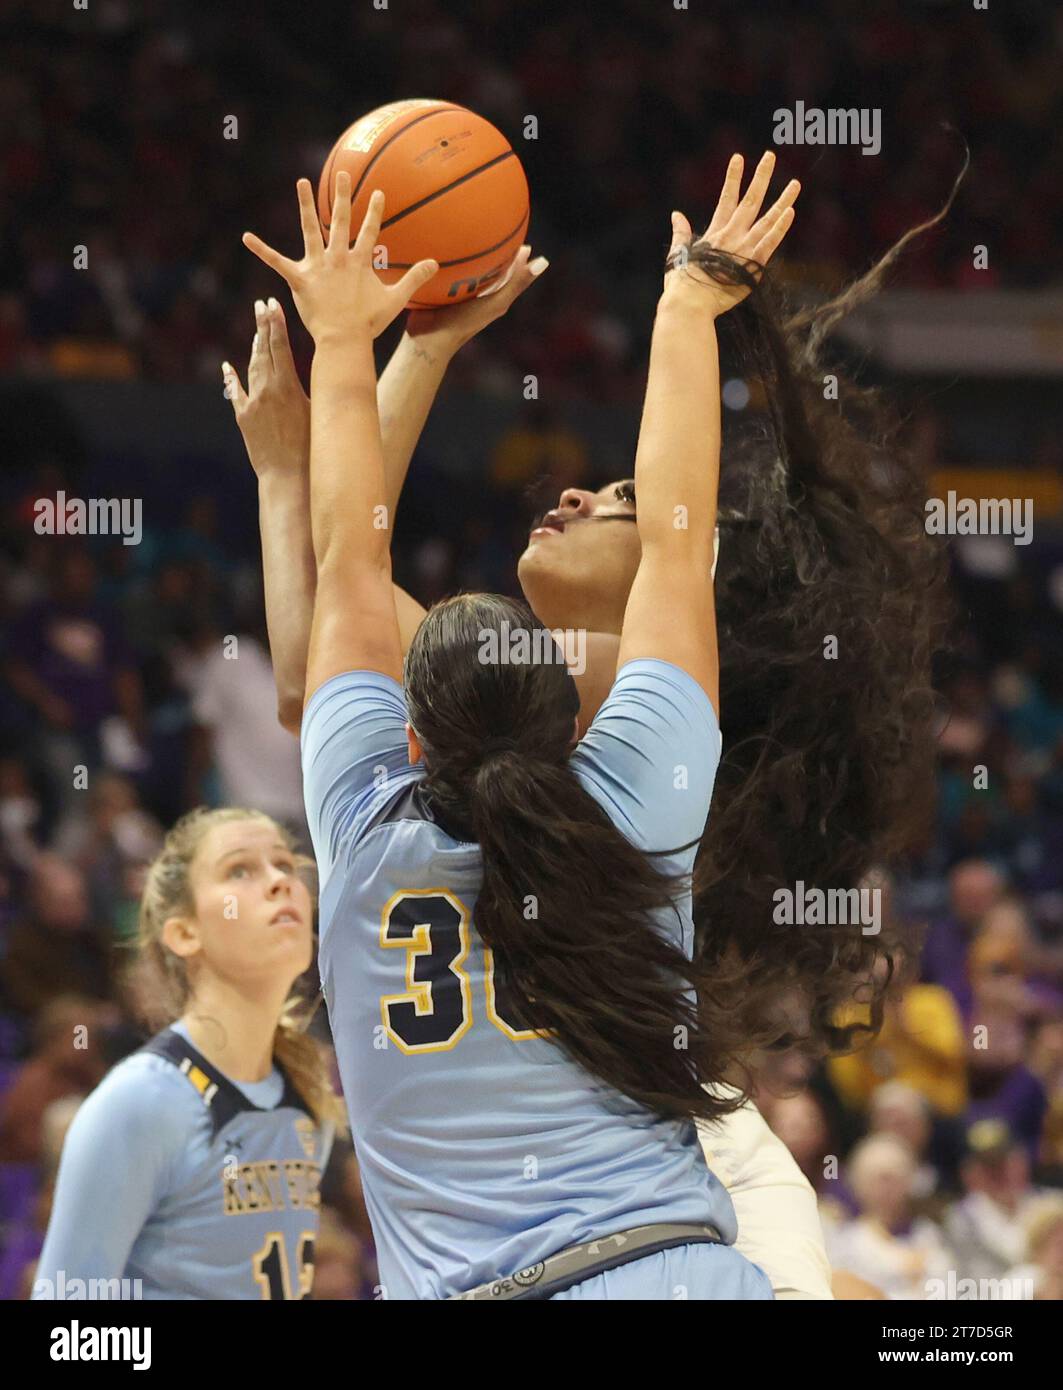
(335, 287)
(745, 240)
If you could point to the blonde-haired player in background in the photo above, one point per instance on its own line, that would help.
(192, 1171)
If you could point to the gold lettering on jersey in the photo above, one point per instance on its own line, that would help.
(272, 1185)
(303, 1181)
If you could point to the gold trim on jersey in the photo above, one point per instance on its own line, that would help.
(514, 1034)
(275, 1239)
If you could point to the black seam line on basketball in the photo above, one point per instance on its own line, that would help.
(424, 116)
(444, 265)
(440, 191)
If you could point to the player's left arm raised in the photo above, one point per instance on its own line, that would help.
(677, 462)
(344, 306)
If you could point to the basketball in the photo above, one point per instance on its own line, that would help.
(455, 192)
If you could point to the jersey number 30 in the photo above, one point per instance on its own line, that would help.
(435, 1011)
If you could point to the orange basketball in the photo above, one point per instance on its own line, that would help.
(454, 191)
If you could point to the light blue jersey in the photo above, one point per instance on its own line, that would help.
(484, 1149)
(196, 1186)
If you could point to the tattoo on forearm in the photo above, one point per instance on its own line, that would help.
(420, 352)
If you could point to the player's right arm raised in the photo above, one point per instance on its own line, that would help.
(274, 419)
(670, 611)
(345, 306)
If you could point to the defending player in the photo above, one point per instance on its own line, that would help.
(577, 1057)
(194, 1165)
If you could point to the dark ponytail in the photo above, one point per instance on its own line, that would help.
(566, 900)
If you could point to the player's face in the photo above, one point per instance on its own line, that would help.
(254, 916)
(581, 559)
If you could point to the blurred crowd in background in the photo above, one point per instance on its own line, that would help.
(635, 115)
(937, 1152)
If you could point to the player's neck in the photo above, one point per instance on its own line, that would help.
(233, 1032)
(595, 675)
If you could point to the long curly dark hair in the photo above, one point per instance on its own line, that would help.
(831, 602)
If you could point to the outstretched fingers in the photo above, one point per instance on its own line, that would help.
(769, 242)
(285, 268)
(745, 214)
(339, 240)
(417, 276)
(280, 347)
(514, 273)
(682, 234)
(259, 362)
(370, 229)
(313, 241)
(786, 199)
(233, 390)
(732, 184)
